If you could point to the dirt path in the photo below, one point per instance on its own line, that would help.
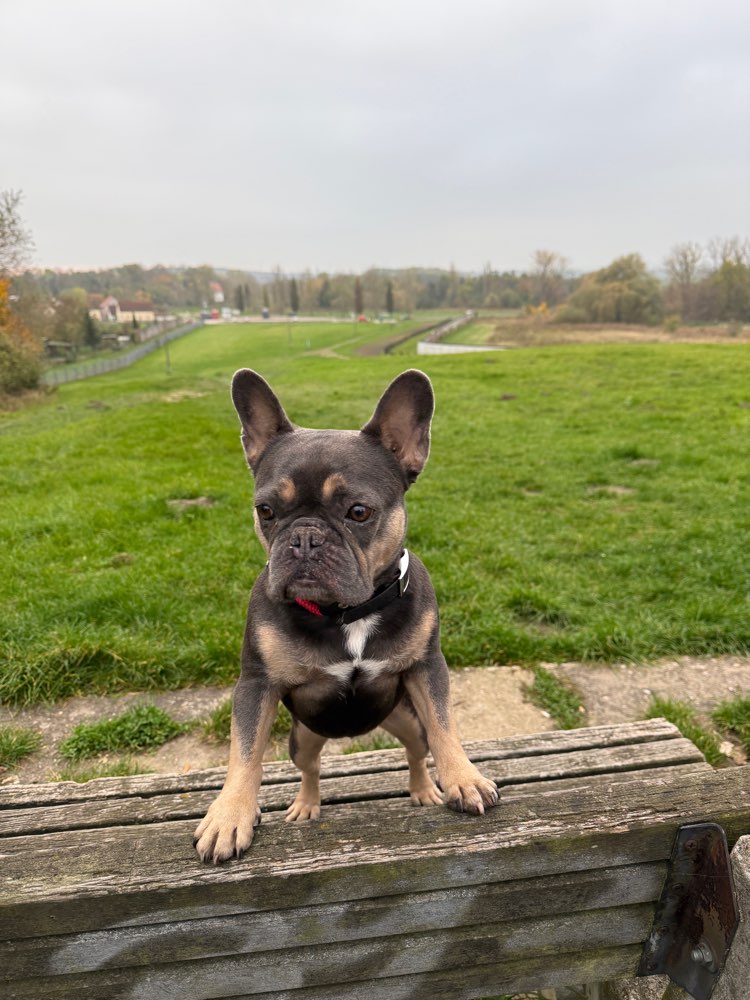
(489, 702)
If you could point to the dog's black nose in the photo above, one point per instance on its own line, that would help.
(304, 539)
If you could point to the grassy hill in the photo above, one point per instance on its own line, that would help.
(580, 502)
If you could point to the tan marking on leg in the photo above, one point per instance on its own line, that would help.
(307, 749)
(286, 490)
(288, 664)
(416, 644)
(333, 483)
(227, 828)
(402, 724)
(465, 788)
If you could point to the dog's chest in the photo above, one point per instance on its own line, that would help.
(356, 636)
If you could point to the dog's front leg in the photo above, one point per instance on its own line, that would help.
(465, 788)
(228, 827)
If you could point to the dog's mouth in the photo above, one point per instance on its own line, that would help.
(307, 563)
(316, 586)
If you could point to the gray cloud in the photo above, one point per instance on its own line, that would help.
(339, 135)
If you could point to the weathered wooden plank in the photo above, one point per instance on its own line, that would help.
(397, 955)
(462, 983)
(351, 921)
(13, 796)
(93, 879)
(583, 782)
(480, 981)
(532, 973)
(353, 788)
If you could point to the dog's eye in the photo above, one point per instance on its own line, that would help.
(359, 512)
(265, 513)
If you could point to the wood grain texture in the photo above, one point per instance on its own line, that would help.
(351, 788)
(367, 919)
(102, 895)
(359, 850)
(597, 737)
(394, 956)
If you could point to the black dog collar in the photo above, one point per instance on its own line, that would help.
(382, 596)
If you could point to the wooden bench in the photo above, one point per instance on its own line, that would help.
(101, 894)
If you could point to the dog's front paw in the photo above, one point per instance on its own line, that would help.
(425, 793)
(303, 807)
(227, 828)
(469, 791)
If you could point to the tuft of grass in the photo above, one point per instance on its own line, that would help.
(557, 698)
(734, 716)
(378, 741)
(680, 714)
(218, 725)
(282, 724)
(17, 743)
(118, 769)
(142, 727)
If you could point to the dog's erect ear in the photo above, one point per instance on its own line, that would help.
(261, 414)
(401, 421)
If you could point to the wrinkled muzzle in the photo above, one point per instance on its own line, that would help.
(312, 561)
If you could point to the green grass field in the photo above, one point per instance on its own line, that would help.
(582, 502)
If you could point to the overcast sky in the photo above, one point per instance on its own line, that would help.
(339, 135)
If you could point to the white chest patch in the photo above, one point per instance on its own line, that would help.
(356, 635)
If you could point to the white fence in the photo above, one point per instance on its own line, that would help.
(425, 347)
(431, 343)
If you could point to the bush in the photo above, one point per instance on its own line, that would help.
(20, 364)
(571, 314)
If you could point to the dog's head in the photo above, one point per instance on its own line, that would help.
(329, 504)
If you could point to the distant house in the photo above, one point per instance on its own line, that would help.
(217, 292)
(109, 310)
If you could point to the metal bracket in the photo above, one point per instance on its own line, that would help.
(697, 914)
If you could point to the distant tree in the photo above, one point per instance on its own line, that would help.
(91, 336)
(70, 315)
(266, 304)
(682, 265)
(33, 305)
(239, 298)
(732, 291)
(294, 296)
(623, 292)
(549, 273)
(16, 244)
(325, 297)
(359, 298)
(389, 298)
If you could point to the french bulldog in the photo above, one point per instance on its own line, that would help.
(342, 625)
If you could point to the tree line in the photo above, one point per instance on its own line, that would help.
(699, 284)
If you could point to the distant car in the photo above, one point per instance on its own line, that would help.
(362, 318)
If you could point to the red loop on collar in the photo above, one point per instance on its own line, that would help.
(309, 606)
